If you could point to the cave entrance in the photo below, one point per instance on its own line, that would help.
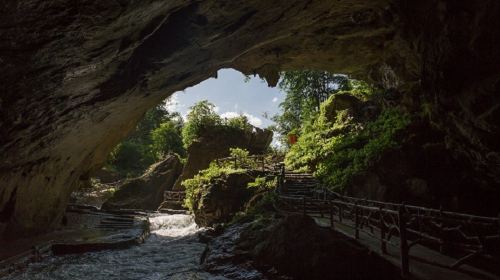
(230, 95)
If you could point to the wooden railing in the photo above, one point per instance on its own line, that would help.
(404, 226)
(257, 162)
(177, 196)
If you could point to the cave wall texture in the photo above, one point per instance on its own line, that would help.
(76, 76)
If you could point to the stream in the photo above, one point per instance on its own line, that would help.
(172, 251)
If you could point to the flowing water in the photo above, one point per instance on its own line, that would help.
(171, 252)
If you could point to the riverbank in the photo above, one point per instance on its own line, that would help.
(84, 229)
(171, 251)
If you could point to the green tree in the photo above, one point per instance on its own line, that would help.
(139, 150)
(305, 91)
(151, 120)
(240, 122)
(202, 116)
(130, 158)
(167, 139)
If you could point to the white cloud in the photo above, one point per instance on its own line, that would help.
(229, 115)
(172, 103)
(275, 99)
(253, 120)
(216, 109)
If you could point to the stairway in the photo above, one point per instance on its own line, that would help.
(299, 184)
(116, 222)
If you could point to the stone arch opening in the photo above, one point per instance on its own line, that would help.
(78, 81)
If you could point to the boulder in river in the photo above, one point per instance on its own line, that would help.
(219, 200)
(146, 192)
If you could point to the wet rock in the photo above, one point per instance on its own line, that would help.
(293, 247)
(146, 192)
(299, 248)
(223, 258)
(171, 205)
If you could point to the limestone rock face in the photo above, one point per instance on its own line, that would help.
(146, 192)
(75, 78)
(218, 201)
(216, 144)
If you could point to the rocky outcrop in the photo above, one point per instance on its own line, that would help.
(76, 78)
(146, 192)
(422, 171)
(219, 200)
(215, 144)
(296, 247)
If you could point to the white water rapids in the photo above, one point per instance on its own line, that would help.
(172, 251)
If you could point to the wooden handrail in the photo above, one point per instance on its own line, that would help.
(413, 225)
(262, 162)
(174, 195)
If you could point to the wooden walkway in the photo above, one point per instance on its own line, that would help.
(436, 244)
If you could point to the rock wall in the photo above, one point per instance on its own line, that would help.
(76, 77)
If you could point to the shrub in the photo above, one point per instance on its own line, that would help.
(336, 151)
(130, 158)
(195, 185)
(201, 118)
(263, 183)
(167, 139)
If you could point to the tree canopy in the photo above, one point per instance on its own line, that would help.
(305, 91)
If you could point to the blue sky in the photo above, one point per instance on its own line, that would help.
(232, 96)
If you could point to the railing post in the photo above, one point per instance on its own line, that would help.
(330, 205)
(321, 211)
(442, 246)
(356, 220)
(235, 163)
(403, 242)
(383, 245)
(304, 205)
(498, 221)
(36, 254)
(340, 213)
(282, 176)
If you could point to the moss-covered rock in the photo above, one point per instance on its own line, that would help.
(217, 143)
(218, 200)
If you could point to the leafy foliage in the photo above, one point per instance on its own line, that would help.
(167, 139)
(195, 185)
(263, 183)
(337, 150)
(219, 171)
(203, 119)
(305, 91)
(157, 134)
(202, 116)
(129, 158)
